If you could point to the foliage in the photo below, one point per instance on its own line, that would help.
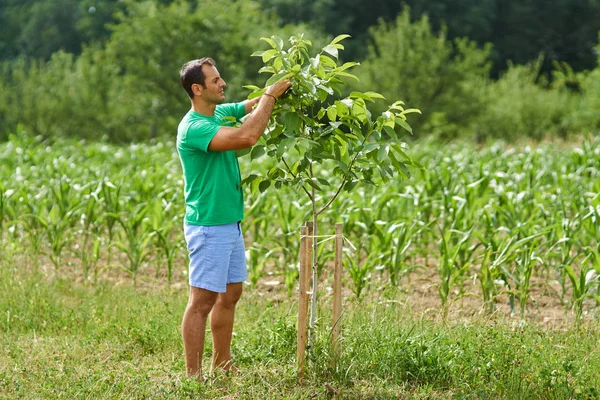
(129, 88)
(520, 31)
(444, 79)
(317, 128)
(38, 29)
(498, 223)
(516, 105)
(120, 81)
(113, 341)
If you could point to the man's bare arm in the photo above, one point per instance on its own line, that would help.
(252, 129)
(249, 104)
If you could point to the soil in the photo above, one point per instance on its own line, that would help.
(417, 291)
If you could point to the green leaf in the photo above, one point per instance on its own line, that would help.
(278, 130)
(345, 66)
(331, 49)
(339, 38)
(326, 89)
(314, 184)
(264, 185)
(404, 124)
(278, 41)
(359, 95)
(336, 152)
(328, 62)
(271, 42)
(348, 186)
(310, 87)
(343, 167)
(242, 152)
(257, 152)
(374, 95)
(251, 87)
(249, 179)
(331, 113)
(342, 108)
(391, 132)
(397, 149)
(278, 63)
(277, 77)
(291, 122)
(315, 62)
(267, 68)
(323, 182)
(275, 173)
(257, 54)
(347, 75)
(382, 153)
(268, 55)
(285, 145)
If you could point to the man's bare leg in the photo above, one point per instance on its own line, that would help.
(221, 325)
(193, 328)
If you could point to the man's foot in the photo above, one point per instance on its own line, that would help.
(228, 368)
(197, 376)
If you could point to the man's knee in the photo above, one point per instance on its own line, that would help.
(230, 298)
(201, 301)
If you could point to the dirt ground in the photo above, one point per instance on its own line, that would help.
(417, 291)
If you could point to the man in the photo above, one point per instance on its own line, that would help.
(206, 144)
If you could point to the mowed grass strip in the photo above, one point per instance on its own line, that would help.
(62, 340)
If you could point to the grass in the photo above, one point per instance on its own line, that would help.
(66, 340)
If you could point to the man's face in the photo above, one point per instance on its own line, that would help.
(213, 92)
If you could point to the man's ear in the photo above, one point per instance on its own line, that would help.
(197, 89)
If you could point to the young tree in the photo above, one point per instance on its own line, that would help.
(315, 133)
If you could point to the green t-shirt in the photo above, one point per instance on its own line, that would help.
(211, 178)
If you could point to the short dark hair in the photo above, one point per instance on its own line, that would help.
(191, 73)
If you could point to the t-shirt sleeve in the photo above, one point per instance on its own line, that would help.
(236, 110)
(200, 133)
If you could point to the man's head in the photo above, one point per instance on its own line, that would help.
(201, 78)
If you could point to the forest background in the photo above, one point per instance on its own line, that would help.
(477, 69)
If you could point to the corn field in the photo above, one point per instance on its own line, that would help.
(502, 219)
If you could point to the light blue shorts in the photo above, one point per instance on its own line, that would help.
(217, 256)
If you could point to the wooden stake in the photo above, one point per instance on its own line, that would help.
(303, 301)
(335, 350)
(311, 267)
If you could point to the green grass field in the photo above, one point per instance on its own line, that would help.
(448, 292)
(69, 341)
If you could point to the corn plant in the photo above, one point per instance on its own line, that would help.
(33, 225)
(112, 203)
(3, 207)
(524, 269)
(453, 265)
(567, 247)
(401, 240)
(90, 235)
(61, 218)
(161, 226)
(503, 193)
(582, 285)
(257, 258)
(517, 281)
(360, 270)
(487, 279)
(137, 238)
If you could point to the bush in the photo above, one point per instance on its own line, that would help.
(129, 89)
(517, 106)
(441, 78)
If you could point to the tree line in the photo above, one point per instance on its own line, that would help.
(486, 68)
(520, 31)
